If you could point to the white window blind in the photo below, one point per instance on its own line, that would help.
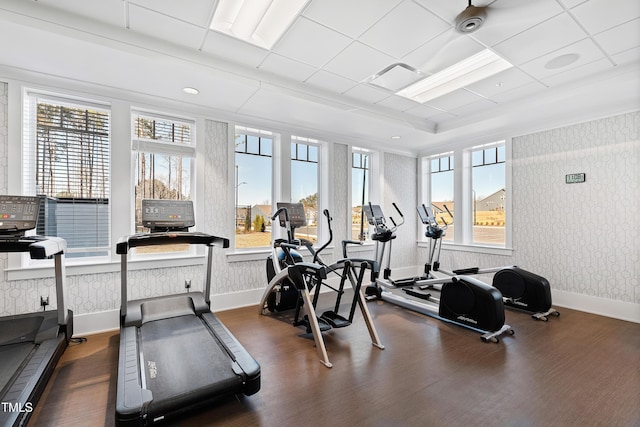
(66, 161)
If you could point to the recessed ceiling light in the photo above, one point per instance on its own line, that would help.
(395, 137)
(191, 90)
(259, 22)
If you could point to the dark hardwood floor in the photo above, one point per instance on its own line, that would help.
(579, 369)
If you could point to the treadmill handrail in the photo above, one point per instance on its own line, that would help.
(46, 248)
(169, 238)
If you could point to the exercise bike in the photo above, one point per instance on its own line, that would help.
(521, 289)
(295, 284)
(463, 300)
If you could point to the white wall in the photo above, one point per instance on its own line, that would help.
(584, 238)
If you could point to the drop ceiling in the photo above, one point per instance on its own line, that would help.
(573, 60)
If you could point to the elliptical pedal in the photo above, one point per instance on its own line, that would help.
(421, 295)
(334, 319)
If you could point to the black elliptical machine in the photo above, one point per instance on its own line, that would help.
(522, 290)
(462, 300)
(295, 284)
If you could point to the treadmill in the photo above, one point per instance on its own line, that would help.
(175, 355)
(30, 344)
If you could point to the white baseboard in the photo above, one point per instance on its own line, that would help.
(605, 307)
(93, 323)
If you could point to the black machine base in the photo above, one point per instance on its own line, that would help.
(525, 291)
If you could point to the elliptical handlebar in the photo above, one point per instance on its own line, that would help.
(321, 248)
(396, 225)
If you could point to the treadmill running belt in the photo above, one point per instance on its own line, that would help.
(183, 363)
(12, 357)
(21, 329)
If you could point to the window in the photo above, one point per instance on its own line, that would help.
(441, 190)
(477, 182)
(304, 184)
(67, 162)
(488, 192)
(164, 152)
(253, 184)
(360, 182)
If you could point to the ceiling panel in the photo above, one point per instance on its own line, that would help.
(366, 93)
(454, 100)
(109, 11)
(198, 12)
(358, 61)
(620, 38)
(600, 15)
(575, 55)
(286, 67)
(442, 51)
(508, 18)
(548, 36)
(501, 82)
(410, 24)
(164, 27)
(331, 82)
(233, 50)
(354, 16)
(311, 43)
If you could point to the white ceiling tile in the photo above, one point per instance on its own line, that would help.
(507, 18)
(163, 27)
(331, 82)
(425, 112)
(501, 82)
(311, 43)
(521, 92)
(442, 51)
(630, 56)
(233, 49)
(358, 61)
(397, 103)
(355, 16)
(286, 67)
(403, 29)
(473, 107)
(620, 38)
(586, 52)
(366, 93)
(109, 11)
(600, 15)
(198, 12)
(572, 75)
(454, 100)
(546, 37)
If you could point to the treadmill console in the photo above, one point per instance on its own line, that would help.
(297, 217)
(167, 215)
(18, 214)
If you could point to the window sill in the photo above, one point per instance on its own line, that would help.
(492, 250)
(46, 271)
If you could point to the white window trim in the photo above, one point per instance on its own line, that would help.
(463, 240)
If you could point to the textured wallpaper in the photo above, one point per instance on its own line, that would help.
(401, 188)
(584, 238)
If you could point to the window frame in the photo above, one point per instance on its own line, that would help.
(30, 100)
(463, 197)
(162, 147)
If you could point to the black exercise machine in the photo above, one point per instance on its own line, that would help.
(175, 354)
(462, 300)
(30, 344)
(521, 289)
(291, 280)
